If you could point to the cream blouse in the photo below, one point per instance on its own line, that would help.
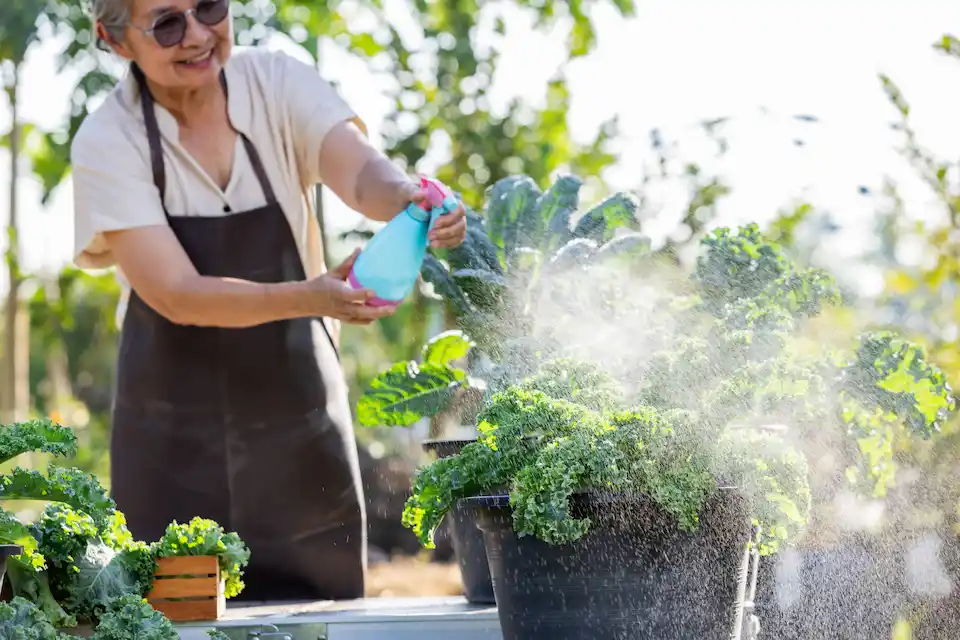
(280, 103)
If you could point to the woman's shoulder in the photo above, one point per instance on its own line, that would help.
(262, 57)
(109, 128)
(270, 68)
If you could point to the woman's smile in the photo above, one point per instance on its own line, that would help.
(201, 61)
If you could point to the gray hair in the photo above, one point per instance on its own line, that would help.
(113, 14)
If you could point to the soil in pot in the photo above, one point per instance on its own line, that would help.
(466, 537)
(635, 574)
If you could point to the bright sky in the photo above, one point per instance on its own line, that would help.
(677, 62)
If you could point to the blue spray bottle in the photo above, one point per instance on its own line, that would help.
(390, 263)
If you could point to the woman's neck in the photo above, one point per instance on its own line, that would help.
(190, 106)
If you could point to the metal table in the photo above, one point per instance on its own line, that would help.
(369, 619)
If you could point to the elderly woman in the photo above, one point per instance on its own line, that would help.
(194, 179)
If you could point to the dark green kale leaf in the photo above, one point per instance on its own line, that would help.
(132, 618)
(21, 619)
(69, 486)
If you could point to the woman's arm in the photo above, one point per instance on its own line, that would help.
(365, 179)
(368, 182)
(183, 296)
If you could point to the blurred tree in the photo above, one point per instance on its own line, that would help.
(73, 317)
(921, 298)
(18, 30)
(539, 140)
(925, 293)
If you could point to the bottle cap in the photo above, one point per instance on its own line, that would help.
(437, 192)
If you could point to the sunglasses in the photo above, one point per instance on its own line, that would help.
(170, 28)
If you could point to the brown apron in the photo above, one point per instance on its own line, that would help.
(249, 427)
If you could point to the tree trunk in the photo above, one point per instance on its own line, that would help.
(58, 371)
(9, 395)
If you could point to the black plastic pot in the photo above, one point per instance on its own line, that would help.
(466, 537)
(855, 591)
(634, 575)
(6, 551)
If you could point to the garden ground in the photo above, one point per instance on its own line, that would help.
(412, 576)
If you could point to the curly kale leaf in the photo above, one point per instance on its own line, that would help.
(786, 389)
(666, 455)
(775, 478)
(116, 535)
(743, 266)
(21, 619)
(41, 436)
(517, 413)
(805, 293)
(203, 537)
(543, 488)
(63, 534)
(577, 382)
(132, 618)
(478, 468)
(894, 376)
(12, 531)
(737, 266)
(70, 486)
(511, 427)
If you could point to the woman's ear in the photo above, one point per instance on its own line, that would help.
(106, 42)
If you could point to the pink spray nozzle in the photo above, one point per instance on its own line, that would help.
(436, 191)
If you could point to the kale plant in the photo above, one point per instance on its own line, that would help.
(89, 565)
(67, 486)
(513, 254)
(132, 618)
(21, 619)
(543, 449)
(204, 537)
(80, 561)
(735, 394)
(744, 359)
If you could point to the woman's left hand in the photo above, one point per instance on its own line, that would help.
(450, 229)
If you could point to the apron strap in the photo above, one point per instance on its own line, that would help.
(153, 136)
(156, 149)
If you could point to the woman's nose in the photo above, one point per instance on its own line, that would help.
(197, 34)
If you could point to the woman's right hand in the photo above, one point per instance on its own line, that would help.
(333, 297)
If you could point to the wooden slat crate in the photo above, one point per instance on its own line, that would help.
(188, 589)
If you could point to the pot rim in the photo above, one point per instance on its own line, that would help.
(439, 442)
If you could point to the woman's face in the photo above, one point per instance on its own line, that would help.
(178, 51)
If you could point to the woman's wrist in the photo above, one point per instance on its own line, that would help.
(288, 299)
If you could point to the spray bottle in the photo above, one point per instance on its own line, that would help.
(390, 263)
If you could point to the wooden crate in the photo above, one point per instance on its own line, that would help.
(188, 589)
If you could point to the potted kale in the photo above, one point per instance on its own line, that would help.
(848, 406)
(636, 514)
(524, 241)
(606, 519)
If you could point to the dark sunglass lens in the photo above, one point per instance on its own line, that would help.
(169, 30)
(211, 12)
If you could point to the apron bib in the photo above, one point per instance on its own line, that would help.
(249, 427)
